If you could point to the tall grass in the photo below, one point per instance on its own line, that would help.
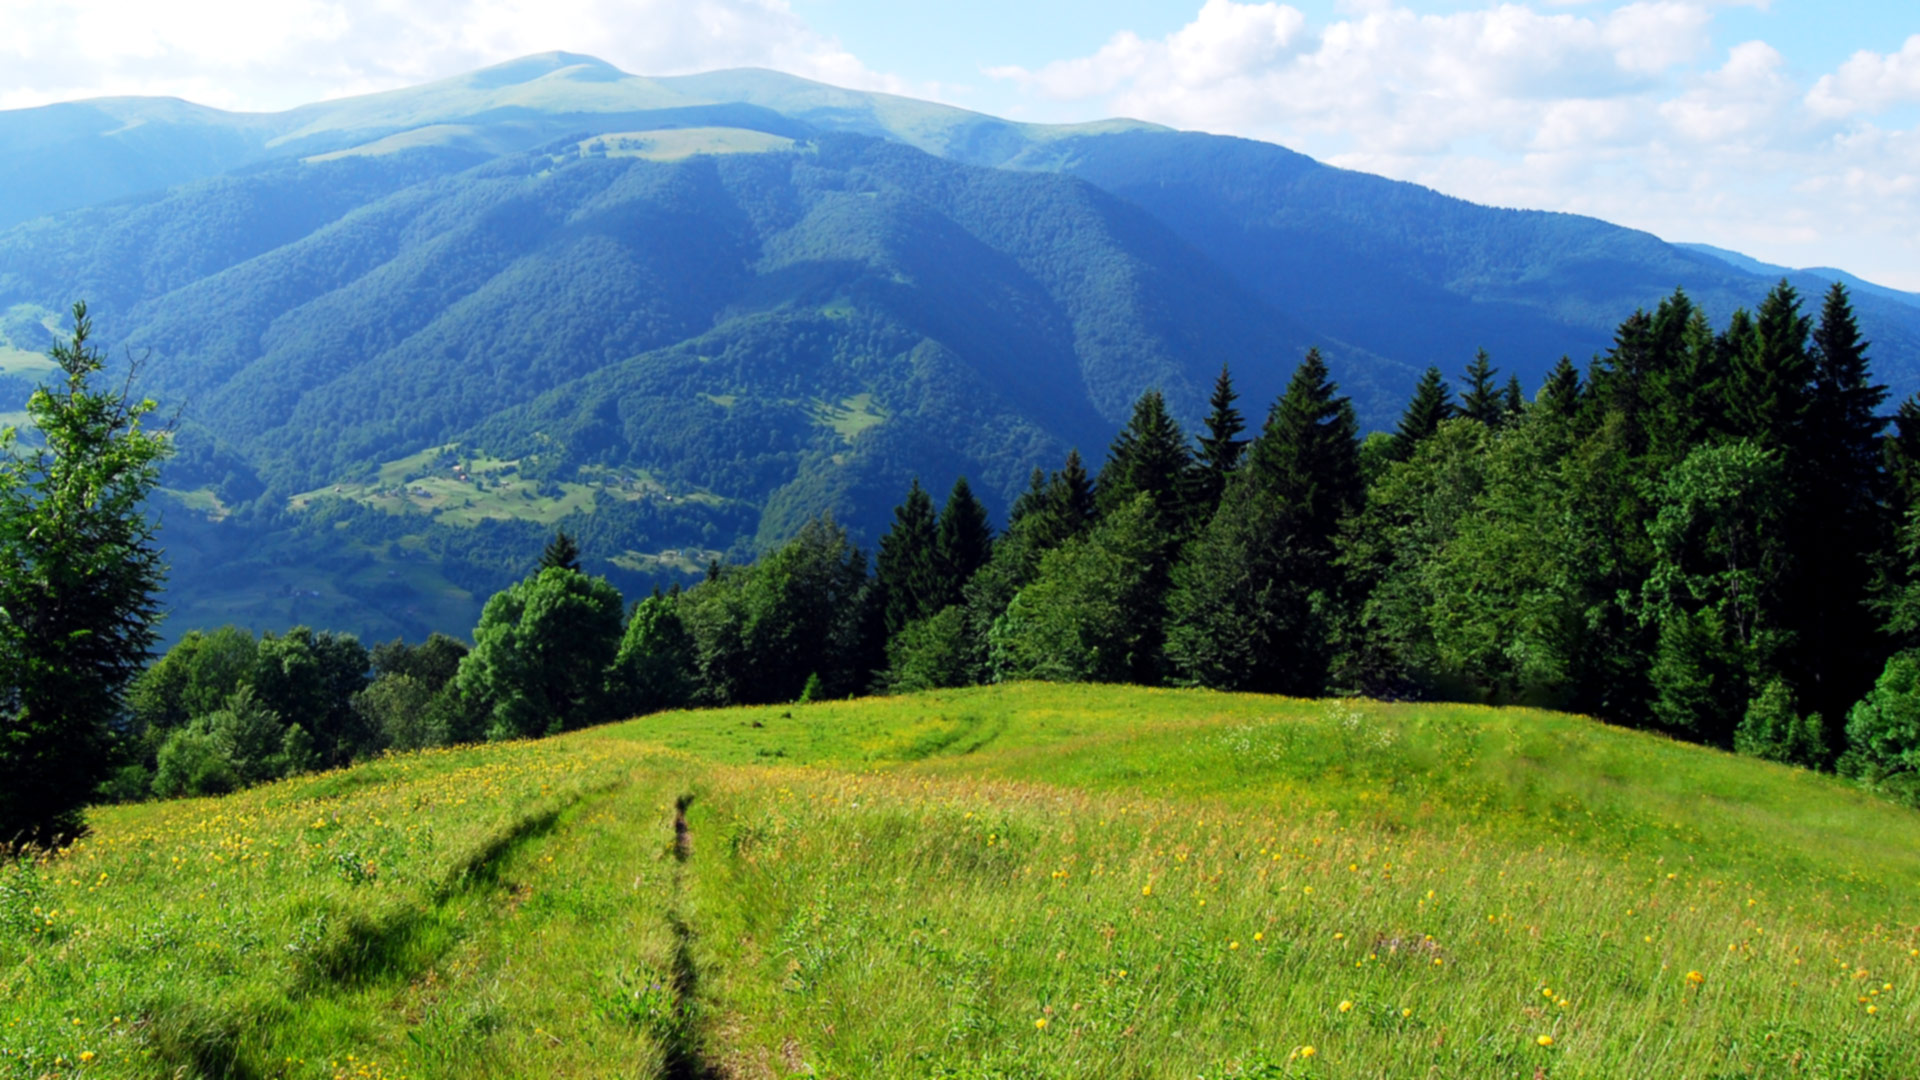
(1023, 881)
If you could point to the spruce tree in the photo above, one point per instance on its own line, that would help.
(1070, 503)
(1900, 451)
(908, 567)
(963, 543)
(1843, 529)
(1221, 447)
(1769, 388)
(1560, 394)
(1482, 400)
(79, 587)
(1432, 403)
(1030, 500)
(1251, 599)
(1513, 401)
(561, 553)
(1149, 457)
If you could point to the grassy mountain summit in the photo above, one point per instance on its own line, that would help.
(648, 305)
(1013, 881)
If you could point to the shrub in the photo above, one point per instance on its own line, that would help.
(192, 762)
(1773, 729)
(1883, 730)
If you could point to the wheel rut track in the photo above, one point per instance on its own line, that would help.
(684, 1046)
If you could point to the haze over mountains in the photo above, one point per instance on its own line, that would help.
(411, 333)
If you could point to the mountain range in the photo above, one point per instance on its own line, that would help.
(408, 335)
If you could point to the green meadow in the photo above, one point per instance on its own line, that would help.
(1016, 881)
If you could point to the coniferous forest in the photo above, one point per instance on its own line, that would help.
(1707, 532)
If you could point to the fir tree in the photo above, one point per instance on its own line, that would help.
(79, 582)
(1900, 451)
(1482, 400)
(1070, 504)
(964, 541)
(1031, 500)
(908, 567)
(1513, 401)
(1770, 382)
(1221, 447)
(1560, 394)
(1149, 457)
(1432, 403)
(561, 553)
(1252, 597)
(1841, 525)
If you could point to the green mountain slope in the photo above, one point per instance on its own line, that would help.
(1024, 880)
(678, 315)
(617, 313)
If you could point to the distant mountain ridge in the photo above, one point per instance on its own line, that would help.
(1827, 273)
(681, 315)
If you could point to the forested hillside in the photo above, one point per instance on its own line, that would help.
(407, 335)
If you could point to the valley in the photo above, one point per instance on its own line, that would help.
(770, 297)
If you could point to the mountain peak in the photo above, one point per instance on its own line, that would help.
(577, 67)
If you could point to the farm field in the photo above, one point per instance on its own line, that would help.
(1015, 881)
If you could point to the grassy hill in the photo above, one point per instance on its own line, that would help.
(1012, 881)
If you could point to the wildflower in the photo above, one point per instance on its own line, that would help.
(1233, 945)
(1544, 1040)
(1307, 1051)
(1872, 1009)
(87, 1055)
(1040, 1024)
(1696, 978)
(1346, 1006)
(1259, 936)
(1406, 1013)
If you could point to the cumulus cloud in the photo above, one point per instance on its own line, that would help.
(242, 53)
(1869, 82)
(1622, 110)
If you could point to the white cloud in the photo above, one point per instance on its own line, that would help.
(253, 55)
(1620, 110)
(1868, 82)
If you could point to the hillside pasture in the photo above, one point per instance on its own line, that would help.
(1016, 881)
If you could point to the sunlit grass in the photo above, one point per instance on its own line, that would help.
(1007, 882)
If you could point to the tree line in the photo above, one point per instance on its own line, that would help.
(1708, 532)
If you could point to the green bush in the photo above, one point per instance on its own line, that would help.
(1883, 730)
(193, 762)
(932, 654)
(1775, 730)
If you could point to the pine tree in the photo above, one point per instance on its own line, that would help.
(1221, 447)
(908, 567)
(1432, 403)
(1149, 457)
(562, 553)
(1482, 400)
(963, 543)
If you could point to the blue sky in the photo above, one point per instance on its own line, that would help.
(954, 43)
(1786, 129)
